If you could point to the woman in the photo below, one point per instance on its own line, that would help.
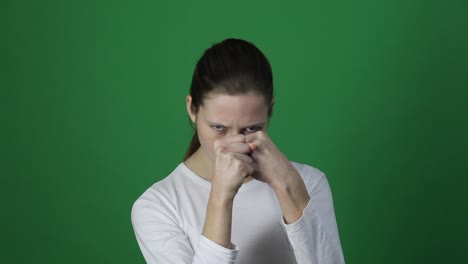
(236, 198)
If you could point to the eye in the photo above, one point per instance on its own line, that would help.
(217, 128)
(252, 129)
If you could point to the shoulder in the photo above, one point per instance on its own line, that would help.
(160, 195)
(303, 168)
(312, 176)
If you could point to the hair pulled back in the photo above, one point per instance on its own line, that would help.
(233, 66)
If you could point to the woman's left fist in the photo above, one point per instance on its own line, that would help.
(270, 165)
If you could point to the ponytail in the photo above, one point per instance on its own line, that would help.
(194, 145)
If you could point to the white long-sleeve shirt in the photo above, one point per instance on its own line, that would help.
(168, 220)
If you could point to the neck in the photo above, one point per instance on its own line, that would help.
(200, 164)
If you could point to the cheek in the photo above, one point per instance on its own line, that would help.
(207, 139)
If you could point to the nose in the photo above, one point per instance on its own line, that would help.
(235, 132)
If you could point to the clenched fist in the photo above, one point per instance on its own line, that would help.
(270, 165)
(232, 164)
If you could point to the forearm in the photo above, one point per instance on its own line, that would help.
(314, 236)
(292, 196)
(218, 219)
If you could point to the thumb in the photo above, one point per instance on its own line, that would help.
(252, 146)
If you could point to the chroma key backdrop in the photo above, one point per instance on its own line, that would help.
(373, 93)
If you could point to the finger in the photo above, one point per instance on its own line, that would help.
(251, 137)
(255, 139)
(247, 168)
(238, 148)
(251, 140)
(243, 158)
(258, 141)
(252, 146)
(240, 138)
(250, 171)
(245, 163)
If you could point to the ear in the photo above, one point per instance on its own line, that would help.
(272, 104)
(191, 113)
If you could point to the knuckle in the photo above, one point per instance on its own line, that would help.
(221, 151)
(225, 153)
(217, 143)
(235, 161)
(244, 148)
(240, 138)
(261, 134)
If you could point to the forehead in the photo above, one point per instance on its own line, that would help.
(219, 107)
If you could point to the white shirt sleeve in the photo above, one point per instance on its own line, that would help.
(314, 237)
(211, 252)
(161, 240)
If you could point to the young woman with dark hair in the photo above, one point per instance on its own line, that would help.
(236, 198)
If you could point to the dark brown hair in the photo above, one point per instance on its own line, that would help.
(233, 66)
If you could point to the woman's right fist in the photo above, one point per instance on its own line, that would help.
(232, 164)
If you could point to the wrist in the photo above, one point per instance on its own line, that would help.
(293, 198)
(218, 220)
(221, 197)
(289, 181)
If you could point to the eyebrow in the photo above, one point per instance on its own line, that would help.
(260, 124)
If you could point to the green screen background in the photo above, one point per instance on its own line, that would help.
(374, 93)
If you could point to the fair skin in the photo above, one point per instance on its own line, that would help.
(235, 149)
